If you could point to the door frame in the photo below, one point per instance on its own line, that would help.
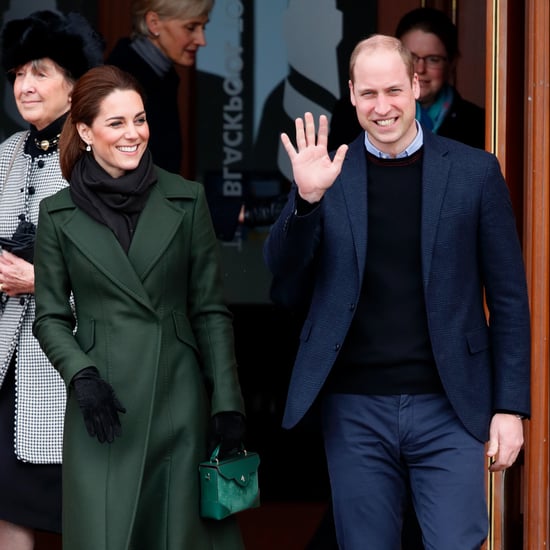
(518, 132)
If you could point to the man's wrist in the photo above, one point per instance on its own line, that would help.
(303, 207)
(511, 413)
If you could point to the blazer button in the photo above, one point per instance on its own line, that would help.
(351, 307)
(22, 301)
(336, 347)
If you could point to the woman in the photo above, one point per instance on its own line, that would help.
(43, 54)
(152, 358)
(166, 33)
(432, 38)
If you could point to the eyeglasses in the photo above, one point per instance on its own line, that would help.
(431, 61)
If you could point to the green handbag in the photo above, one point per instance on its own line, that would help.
(230, 485)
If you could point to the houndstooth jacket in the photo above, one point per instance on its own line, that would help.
(40, 391)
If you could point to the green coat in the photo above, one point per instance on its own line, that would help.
(155, 325)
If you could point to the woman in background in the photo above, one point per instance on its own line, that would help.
(43, 54)
(433, 40)
(136, 247)
(166, 33)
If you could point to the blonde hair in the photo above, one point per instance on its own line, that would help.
(382, 41)
(167, 9)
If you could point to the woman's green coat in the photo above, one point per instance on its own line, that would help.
(155, 325)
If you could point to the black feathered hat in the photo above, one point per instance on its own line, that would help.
(69, 40)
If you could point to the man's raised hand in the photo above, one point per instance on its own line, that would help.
(313, 170)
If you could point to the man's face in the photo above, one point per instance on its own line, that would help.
(385, 99)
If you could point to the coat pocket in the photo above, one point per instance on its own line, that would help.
(184, 332)
(85, 335)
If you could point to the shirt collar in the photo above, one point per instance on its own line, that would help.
(414, 146)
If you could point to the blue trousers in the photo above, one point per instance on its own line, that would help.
(377, 445)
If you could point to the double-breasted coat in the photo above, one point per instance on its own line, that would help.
(154, 323)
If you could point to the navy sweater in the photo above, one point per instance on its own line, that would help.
(387, 350)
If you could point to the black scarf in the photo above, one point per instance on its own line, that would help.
(114, 202)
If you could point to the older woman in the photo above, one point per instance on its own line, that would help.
(43, 54)
(151, 368)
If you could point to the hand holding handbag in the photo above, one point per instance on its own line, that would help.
(230, 485)
(228, 430)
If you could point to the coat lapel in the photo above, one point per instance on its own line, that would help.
(98, 243)
(156, 228)
(435, 178)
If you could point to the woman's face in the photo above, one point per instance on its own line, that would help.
(119, 133)
(178, 39)
(431, 65)
(42, 92)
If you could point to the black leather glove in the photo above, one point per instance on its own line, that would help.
(21, 242)
(98, 403)
(227, 429)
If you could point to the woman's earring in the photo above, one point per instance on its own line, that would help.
(88, 147)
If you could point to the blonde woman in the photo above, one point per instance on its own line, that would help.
(166, 33)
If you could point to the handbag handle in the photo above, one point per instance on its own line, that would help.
(216, 451)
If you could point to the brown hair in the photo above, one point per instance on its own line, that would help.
(388, 43)
(88, 94)
(434, 21)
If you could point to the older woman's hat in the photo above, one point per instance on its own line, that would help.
(69, 40)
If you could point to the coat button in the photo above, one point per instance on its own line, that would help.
(336, 347)
(351, 306)
(22, 301)
(41, 163)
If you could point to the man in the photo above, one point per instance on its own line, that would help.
(394, 243)
(432, 38)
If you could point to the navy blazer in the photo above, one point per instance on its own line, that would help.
(470, 251)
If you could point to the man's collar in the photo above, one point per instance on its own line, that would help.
(414, 146)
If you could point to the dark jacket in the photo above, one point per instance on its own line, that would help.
(470, 250)
(161, 104)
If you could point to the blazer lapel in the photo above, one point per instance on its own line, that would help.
(354, 174)
(435, 178)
